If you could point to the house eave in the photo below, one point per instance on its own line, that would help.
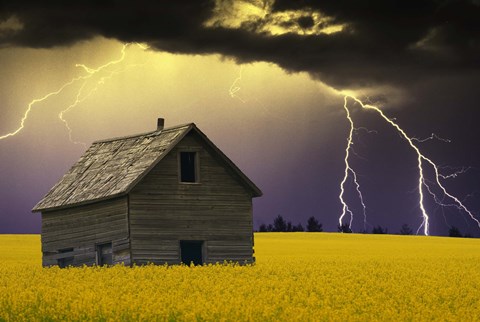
(256, 192)
(154, 163)
(185, 128)
(78, 204)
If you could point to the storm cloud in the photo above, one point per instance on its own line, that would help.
(381, 42)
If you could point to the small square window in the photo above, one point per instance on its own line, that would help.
(188, 167)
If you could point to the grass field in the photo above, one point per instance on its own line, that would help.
(298, 276)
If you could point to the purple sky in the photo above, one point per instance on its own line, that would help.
(264, 82)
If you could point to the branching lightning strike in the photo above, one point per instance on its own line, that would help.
(456, 173)
(422, 161)
(432, 136)
(80, 97)
(348, 169)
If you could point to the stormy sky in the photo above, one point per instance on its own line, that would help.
(287, 63)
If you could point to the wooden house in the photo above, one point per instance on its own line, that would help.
(167, 196)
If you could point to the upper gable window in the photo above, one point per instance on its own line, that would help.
(188, 167)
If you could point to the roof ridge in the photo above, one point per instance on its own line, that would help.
(151, 133)
(91, 172)
(112, 169)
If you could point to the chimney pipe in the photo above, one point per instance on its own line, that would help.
(160, 124)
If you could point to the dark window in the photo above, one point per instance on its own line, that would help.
(65, 261)
(104, 254)
(191, 252)
(188, 167)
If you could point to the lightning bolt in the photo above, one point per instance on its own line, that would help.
(80, 97)
(433, 136)
(33, 102)
(456, 173)
(78, 100)
(361, 128)
(234, 88)
(422, 161)
(349, 173)
(348, 170)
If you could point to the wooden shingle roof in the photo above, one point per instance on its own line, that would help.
(111, 168)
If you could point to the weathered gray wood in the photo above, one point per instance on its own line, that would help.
(113, 167)
(217, 210)
(81, 228)
(127, 192)
(109, 167)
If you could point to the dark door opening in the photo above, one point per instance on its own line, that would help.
(65, 261)
(191, 252)
(104, 254)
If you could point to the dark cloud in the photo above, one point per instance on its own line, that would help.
(383, 42)
(430, 48)
(305, 22)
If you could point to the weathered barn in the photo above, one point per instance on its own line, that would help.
(167, 196)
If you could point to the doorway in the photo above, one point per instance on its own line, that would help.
(191, 252)
(104, 254)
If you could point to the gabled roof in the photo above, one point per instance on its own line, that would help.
(111, 168)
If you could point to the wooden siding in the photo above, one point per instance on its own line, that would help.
(216, 210)
(83, 227)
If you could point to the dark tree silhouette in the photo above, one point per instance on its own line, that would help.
(263, 228)
(289, 226)
(379, 230)
(279, 224)
(406, 230)
(454, 232)
(313, 225)
(298, 227)
(344, 229)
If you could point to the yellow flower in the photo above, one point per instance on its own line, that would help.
(297, 277)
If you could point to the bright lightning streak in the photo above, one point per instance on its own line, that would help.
(90, 73)
(421, 161)
(437, 199)
(349, 172)
(30, 105)
(360, 196)
(142, 45)
(460, 205)
(79, 99)
(93, 71)
(425, 216)
(345, 208)
(348, 169)
(60, 115)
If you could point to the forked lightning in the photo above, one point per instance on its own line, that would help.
(422, 162)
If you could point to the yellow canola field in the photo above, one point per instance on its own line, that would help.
(297, 277)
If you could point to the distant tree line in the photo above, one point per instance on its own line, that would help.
(455, 232)
(281, 225)
(313, 225)
(404, 230)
